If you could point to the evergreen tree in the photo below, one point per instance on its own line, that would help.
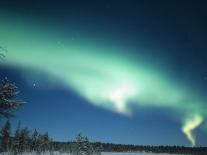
(7, 104)
(44, 142)
(83, 146)
(98, 149)
(7, 92)
(5, 136)
(34, 141)
(16, 141)
(24, 140)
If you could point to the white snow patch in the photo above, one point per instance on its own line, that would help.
(103, 153)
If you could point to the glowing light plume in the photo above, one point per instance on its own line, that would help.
(190, 125)
(105, 76)
(119, 98)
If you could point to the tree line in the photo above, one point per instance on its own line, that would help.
(110, 147)
(25, 140)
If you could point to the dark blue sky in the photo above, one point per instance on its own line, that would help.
(176, 30)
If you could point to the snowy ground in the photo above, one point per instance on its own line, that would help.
(34, 153)
(134, 153)
(104, 153)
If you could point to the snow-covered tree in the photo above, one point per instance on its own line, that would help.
(7, 91)
(44, 142)
(16, 141)
(98, 149)
(24, 140)
(6, 136)
(34, 141)
(7, 104)
(83, 146)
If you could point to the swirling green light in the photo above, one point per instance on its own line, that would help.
(105, 76)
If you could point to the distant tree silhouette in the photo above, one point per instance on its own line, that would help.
(24, 140)
(44, 142)
(16, 140)
(34, 141)
(98, 149)
(6, 136)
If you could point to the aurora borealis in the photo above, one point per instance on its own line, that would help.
(107, 76)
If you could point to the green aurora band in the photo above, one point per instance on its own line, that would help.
(105, 76)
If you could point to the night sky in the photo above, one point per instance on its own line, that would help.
(121, 71)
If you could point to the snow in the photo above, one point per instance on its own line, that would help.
(35, 153)
(103, 153)
(134, 153)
